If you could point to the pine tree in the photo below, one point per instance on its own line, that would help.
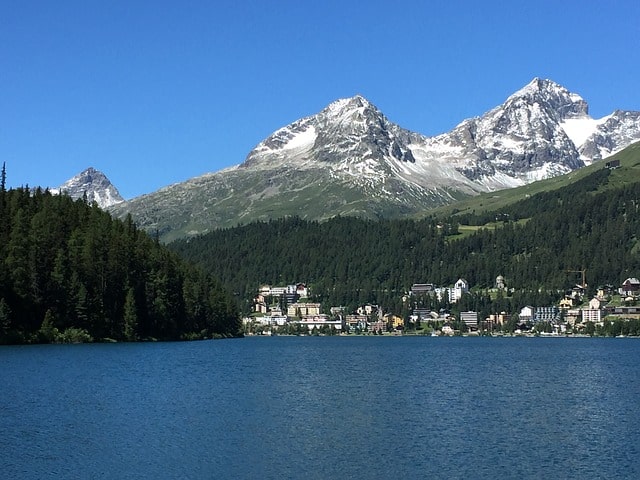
(130, 317)
(5, 321)
(48, 332)
(3, 178)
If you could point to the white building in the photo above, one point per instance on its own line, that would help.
(591, 315)
(459, 288)
(526, 314)
(470, 319)
(319, 321)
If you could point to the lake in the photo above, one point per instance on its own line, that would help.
(323, 408)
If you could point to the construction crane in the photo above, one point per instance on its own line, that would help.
(584, 276)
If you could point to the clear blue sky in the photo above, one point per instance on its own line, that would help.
(156, 92)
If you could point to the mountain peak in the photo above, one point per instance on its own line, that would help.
(349, 105)
(350, 160)
(95, 185)
(552, 95)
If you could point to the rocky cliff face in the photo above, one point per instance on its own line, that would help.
(522, 139)
(349, 159)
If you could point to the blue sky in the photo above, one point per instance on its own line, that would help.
(154, 93)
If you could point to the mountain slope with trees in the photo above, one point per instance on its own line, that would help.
(69, 272)
(591, 224)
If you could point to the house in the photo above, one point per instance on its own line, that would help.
(546, 314)
(566, 302)
(422, 313)
(498, 318)
(470, 319)
(422, 289)
(259, 304)
(264, 290)
(612, 164)
(448, 330)
(604, 291)
(596, 303)
(572, 315)
(303, 309)
(357, 321)
(593, 315)
(459, 288)
(624, 311)
(377, 326)
(301, 290)
(630, 287)
(277, 291)
(394, 321)
(368, 310)
(319, 321)
(526, 314)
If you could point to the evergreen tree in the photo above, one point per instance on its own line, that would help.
(92, 277)
(5, 321)
(130, 317)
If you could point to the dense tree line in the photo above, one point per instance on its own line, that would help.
(69, 272)
(350, 261)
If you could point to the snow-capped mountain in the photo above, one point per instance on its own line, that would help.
(610, 135)
(95, 185)
(349, 159)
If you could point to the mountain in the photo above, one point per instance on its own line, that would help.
(493, 204)
(588, 219)
(95, 185)
(349, 159)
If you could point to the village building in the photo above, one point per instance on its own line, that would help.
(357, 321)
(630, 287)
(546, 314)
(498, 319)
(303, 309)
(526, 314)
(378, 326)
(470, 319)
(593, 315)
(422, 289)
(368, 310)
(459, 288)
(393, 321)
(319, 321)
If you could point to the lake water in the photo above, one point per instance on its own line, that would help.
(323, 408)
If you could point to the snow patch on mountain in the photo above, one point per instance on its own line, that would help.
(301, 140)
(578, 129)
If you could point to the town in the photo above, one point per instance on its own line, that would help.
(279, 310)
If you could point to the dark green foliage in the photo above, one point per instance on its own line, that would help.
(69, 273)
(349, 261)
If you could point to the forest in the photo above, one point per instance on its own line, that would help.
(69, 272)
(346, 261)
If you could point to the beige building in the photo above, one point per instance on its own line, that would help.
(303, 309)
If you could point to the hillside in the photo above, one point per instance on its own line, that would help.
(591, 223)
